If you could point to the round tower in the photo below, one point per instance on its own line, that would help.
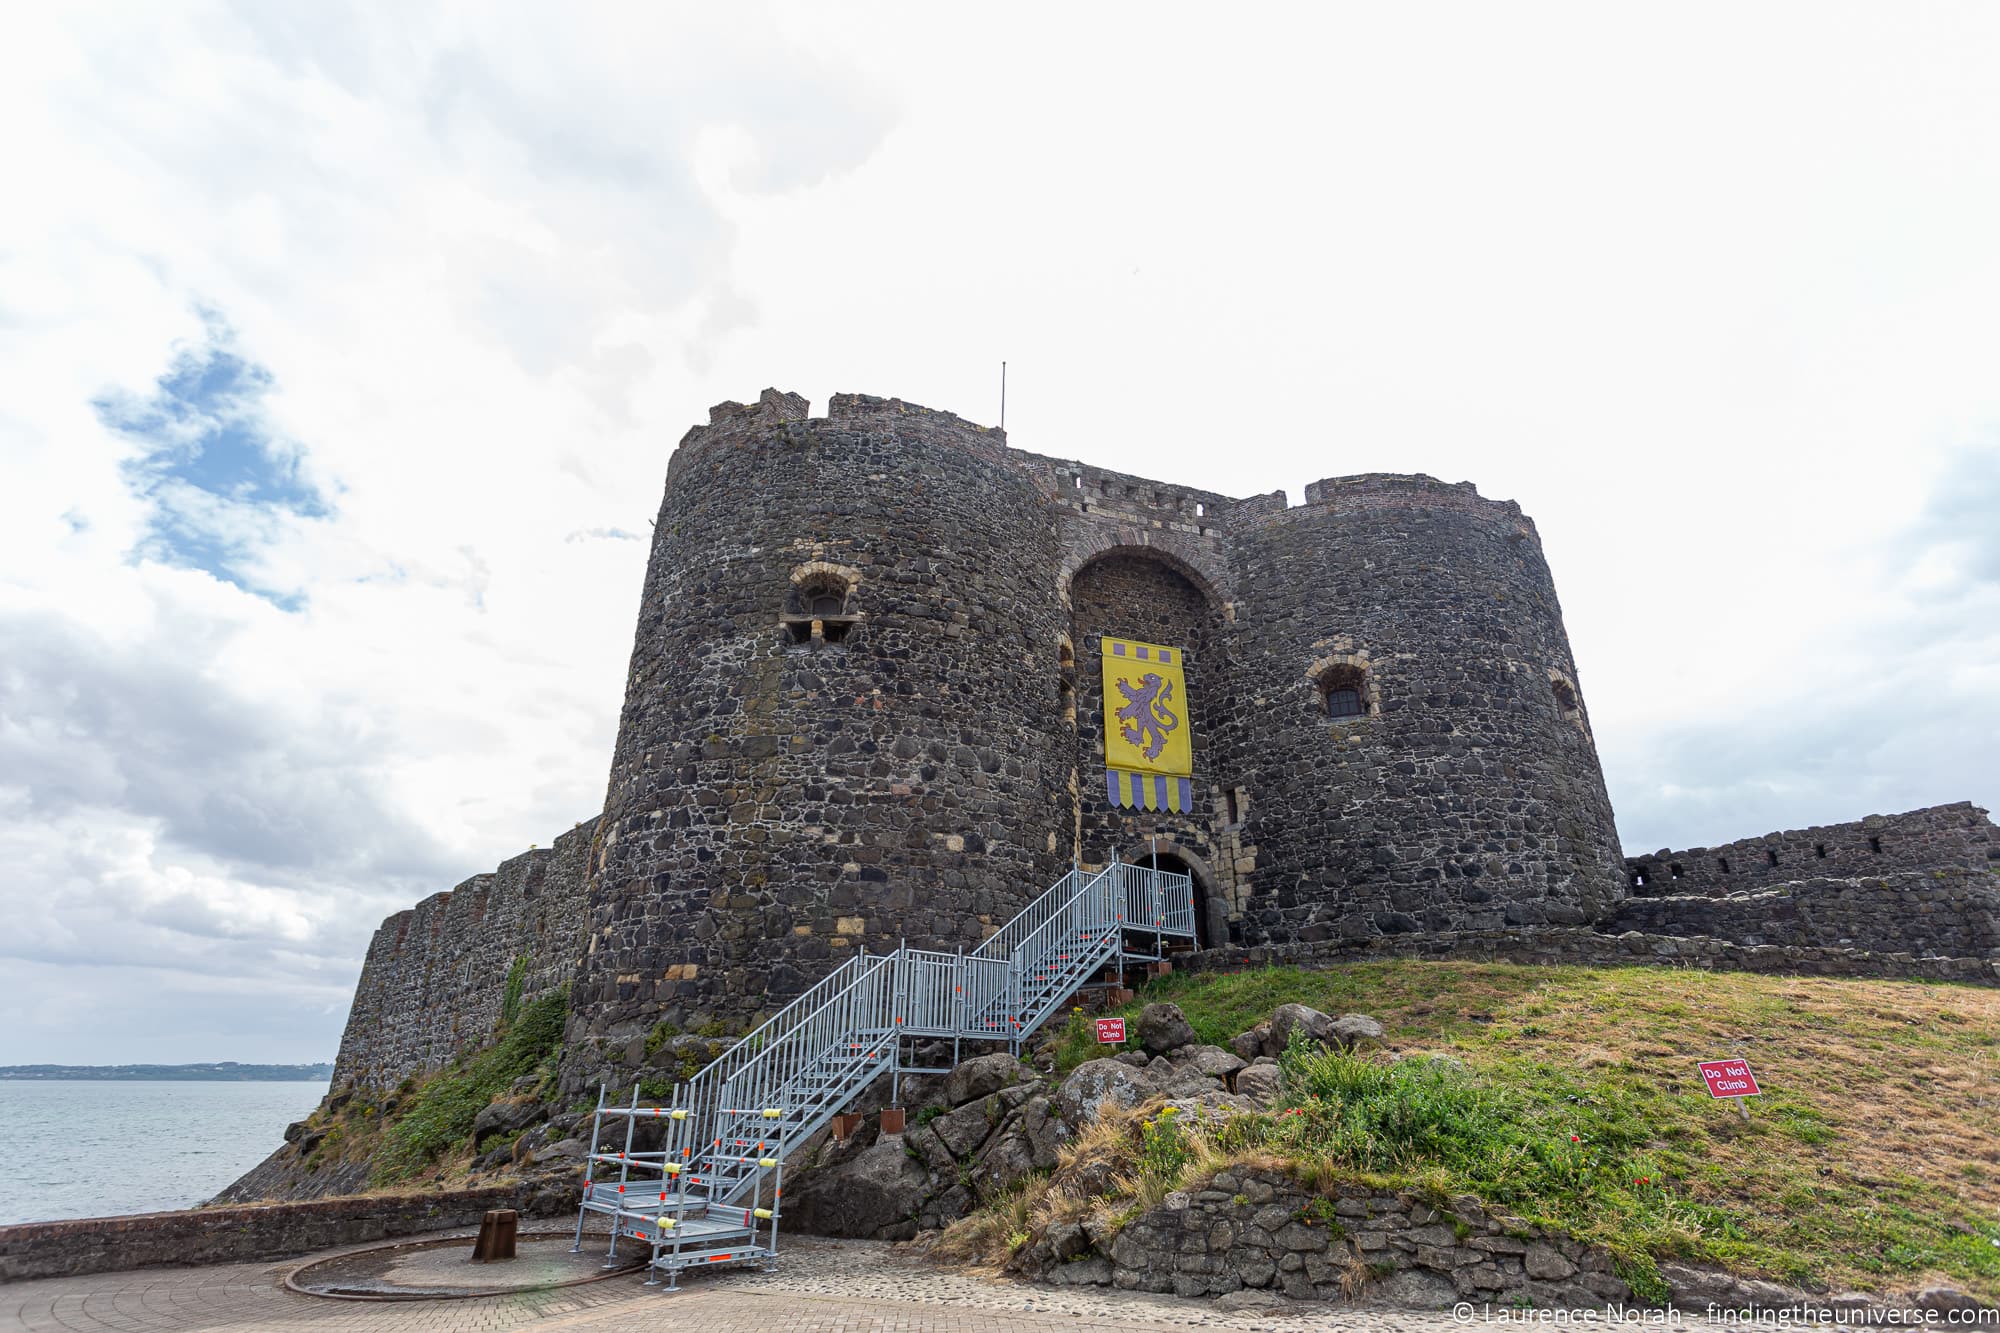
(837, 725)
(1419, 755)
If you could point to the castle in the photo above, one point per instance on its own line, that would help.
(865, 706)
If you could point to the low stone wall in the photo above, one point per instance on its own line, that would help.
(1583, 947)
(1260, 1228)
(238, 1235)
(1950, 911)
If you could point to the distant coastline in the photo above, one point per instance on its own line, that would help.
(223, 1071)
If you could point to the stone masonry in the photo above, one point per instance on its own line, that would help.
(864, 708)
(1940, 835)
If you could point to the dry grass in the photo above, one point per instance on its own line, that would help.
(1873, 1158)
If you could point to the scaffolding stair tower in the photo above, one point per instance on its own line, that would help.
(709, 1194)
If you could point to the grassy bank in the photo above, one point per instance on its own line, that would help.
(423, 1129)
(1570, 1096)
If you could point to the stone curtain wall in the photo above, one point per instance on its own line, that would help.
(1473, 799)
(776, 805)
(1951, 911)
(436, 975)
(1576, 946)
(1940, 835)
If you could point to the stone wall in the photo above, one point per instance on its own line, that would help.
(1940, 835)
(1259, 1228)
(245, 1234)
(1951, 911)
(436, 975)
(1583, 947)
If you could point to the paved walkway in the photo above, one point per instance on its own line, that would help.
(821, 1286)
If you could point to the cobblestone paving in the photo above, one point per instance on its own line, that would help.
(821, 1286)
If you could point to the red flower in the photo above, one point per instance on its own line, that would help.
(1574, 1139)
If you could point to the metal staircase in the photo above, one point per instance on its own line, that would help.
(709, 1194)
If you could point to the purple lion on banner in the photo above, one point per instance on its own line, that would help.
(1145, 718)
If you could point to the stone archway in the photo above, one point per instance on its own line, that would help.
(1211, 908)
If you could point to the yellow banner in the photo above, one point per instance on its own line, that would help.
(1145, 709)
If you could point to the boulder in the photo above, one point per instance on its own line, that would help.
(1249, 1045)
(982, 1076)
(1343, 1033)
(1007, 1160)
(962, 1131)
(1289, 1018)
(1163, 1027)
(1213, 1062)
(1097, 1083)
(506, 1117)
(874, 1195)
(1946, 1299)
(1259, 1082)
(1352, 1030)
(1045, 1131)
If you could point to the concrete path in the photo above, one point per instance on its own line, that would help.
(835, 1286)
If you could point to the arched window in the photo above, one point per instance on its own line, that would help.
(1343, 685)
(1343, 691)
(820, 605)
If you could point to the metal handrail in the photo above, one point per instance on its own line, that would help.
(813, 1055)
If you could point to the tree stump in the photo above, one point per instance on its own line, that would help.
(496, 1236)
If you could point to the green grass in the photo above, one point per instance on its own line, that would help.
(439, 1113)
(1569, 1096)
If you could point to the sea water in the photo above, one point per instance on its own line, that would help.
(165, 1144)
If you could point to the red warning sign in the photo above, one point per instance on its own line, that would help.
(1729, 1078)
(1110, 1031)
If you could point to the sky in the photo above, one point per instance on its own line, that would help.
(342, 349)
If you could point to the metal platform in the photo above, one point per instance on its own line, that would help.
(710, 1194)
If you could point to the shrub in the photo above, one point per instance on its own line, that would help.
(440, 1112)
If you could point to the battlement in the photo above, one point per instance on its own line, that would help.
(1959, 834)
(1391, 489)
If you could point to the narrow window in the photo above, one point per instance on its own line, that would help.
(1200, 509)
(1078, 479)
(1638, 878)
(1773, 856)
(1723, 861)
(1066, 701)
(1343, 692)
(1565, 697)
(1674, 869)
(820, 607)
(1875, 846)
(1820, 849)
(1235, 805)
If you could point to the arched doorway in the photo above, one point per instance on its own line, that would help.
(1149, 597)
(1211, 913)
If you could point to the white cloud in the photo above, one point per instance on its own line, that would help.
(1710, 292)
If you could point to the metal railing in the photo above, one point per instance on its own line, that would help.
(729, 1123)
